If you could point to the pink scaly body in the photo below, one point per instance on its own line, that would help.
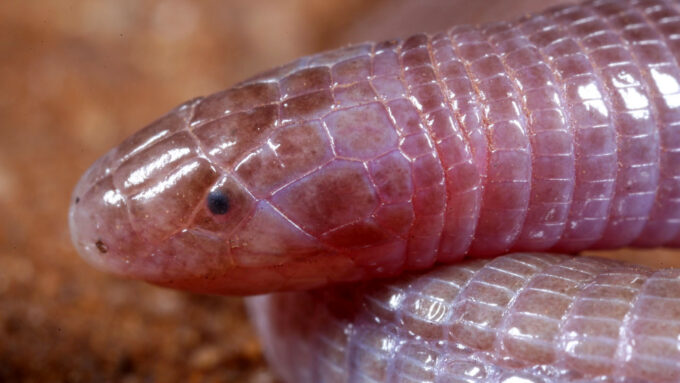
(555, 132)
(558, 131)
(517, 318)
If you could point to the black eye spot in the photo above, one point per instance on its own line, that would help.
(77, 200)
(218, 203)
(101, 246)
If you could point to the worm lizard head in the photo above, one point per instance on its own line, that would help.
(257, 188)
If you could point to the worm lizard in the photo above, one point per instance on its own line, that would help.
(556, 132)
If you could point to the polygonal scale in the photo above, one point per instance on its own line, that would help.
(336, 195)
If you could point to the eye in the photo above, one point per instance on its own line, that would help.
(218, 202)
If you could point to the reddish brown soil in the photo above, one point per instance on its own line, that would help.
(77, 77)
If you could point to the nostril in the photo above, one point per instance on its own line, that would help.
(100, 226)
(101, 246)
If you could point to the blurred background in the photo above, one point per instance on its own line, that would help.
(76, 77)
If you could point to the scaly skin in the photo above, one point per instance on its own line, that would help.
(558, 131)
(516, 318)
(554, 132)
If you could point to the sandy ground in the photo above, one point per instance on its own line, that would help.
(76, 77)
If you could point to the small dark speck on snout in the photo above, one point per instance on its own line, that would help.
(218, 203)
(77, 200)
(101, 246)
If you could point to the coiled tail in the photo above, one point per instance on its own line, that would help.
(519, 317)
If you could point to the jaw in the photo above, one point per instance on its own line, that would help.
(307, 273)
